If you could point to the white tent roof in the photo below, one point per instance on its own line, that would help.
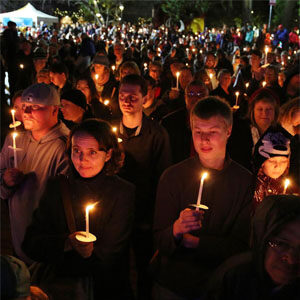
(29, 11)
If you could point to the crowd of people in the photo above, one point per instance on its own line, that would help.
(127, 119)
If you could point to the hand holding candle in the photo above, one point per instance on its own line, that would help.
(236, 106)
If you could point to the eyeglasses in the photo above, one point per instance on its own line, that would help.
(282, 247)
(193, 94)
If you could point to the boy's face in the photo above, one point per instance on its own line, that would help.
(275, 166)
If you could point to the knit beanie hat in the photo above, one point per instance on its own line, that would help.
(274, 142)
(15, 278)
(76, 97)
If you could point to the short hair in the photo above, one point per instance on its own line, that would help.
(59, 68)
(156, 63)
(272, 67)
(130, 65)
(245, 58)
(265, 95)
(256, 52)
(223, 72)
(197, 83)
(134, 79)
(212, 106)
(106, 138)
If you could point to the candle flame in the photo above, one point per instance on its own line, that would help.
(13, 111)
(247, 84)
(106, 102)
(21, 66)
(286, 183)
(264, 83)
(113, 68)
(96, 76)
(204, 175)
(120, 140)
(210, 76)
(177, 74)
(114, 129)
(14, 135)
(90, 207)
(237, 93)
(266, 49)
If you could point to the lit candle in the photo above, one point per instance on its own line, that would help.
(106, 102)
(203, 177)
(21, 66)
(247, 85)
(264, 83)
(236, 98)
(87, 225)
(177, 81)
(114, 129)
(13, 117)
(96, 76)
(211, 76)
(145, 66)
(286, 184)
(266, 53)
(113, 68)
(14, 135)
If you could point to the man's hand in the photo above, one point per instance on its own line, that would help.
(83, 248)
(174, 94)
(12, 177)
(37, 294)
(190, 241)
(189, 220)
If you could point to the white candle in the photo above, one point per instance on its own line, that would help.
(286, 184)
(204, 175)
(13, 116)
(266, 53)
(236, 98)
(87, 225)
(177, 80)
(14, 135)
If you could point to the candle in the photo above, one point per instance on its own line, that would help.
(87, 228)
(203, 177)
(177, 81)
(14, 135)
(114, 129)
(211, 76)
(266, 53)
(286, 184)
(264, 83)
(21, 66)
(113, 68)
(106, 102)
(13, 117)
(247, 85)
(96, 76)
(236, 98)
(145, 66)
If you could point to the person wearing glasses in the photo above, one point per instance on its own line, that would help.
(41, 154)
(272, 269)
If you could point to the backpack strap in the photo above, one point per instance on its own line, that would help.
(66, 197)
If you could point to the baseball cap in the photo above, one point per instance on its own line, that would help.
(101, 60)
(76, 97)
(15, 278)
(41, 93)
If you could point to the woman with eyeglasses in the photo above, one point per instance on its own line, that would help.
(81, 268)
(272, 269)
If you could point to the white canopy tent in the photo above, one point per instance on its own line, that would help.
(27, 16)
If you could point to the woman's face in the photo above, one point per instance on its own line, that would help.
(274, 167)
(282, 259)
(71, 111)
(264, 114)
(83, 86)
(87, 158)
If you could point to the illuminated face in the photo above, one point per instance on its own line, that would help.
(225, 81)
(82, 86)
(193, 94)
(210, 61)
(71, 111)
(270, 76)
(87, 157)
(282, 259)
(131, 99)
(39, 64)
(18, 108)
(210, 137)
(274, 167)
(264, 114)
(185, 78)
(255, 60)
(38, 117)
(58, 79)
(154, 72)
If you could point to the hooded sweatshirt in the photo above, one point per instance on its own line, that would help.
(38, 160)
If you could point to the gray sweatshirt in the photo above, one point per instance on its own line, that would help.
(38, 160)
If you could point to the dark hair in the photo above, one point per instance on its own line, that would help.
(223, 72)
(256, 52)
(213, 106)
(134, 79)
(59, 68)
(245, 59)
(102, 132)
(272, 67)
(91, 85)
(264, 95)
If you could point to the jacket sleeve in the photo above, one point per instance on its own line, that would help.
(46, 235)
